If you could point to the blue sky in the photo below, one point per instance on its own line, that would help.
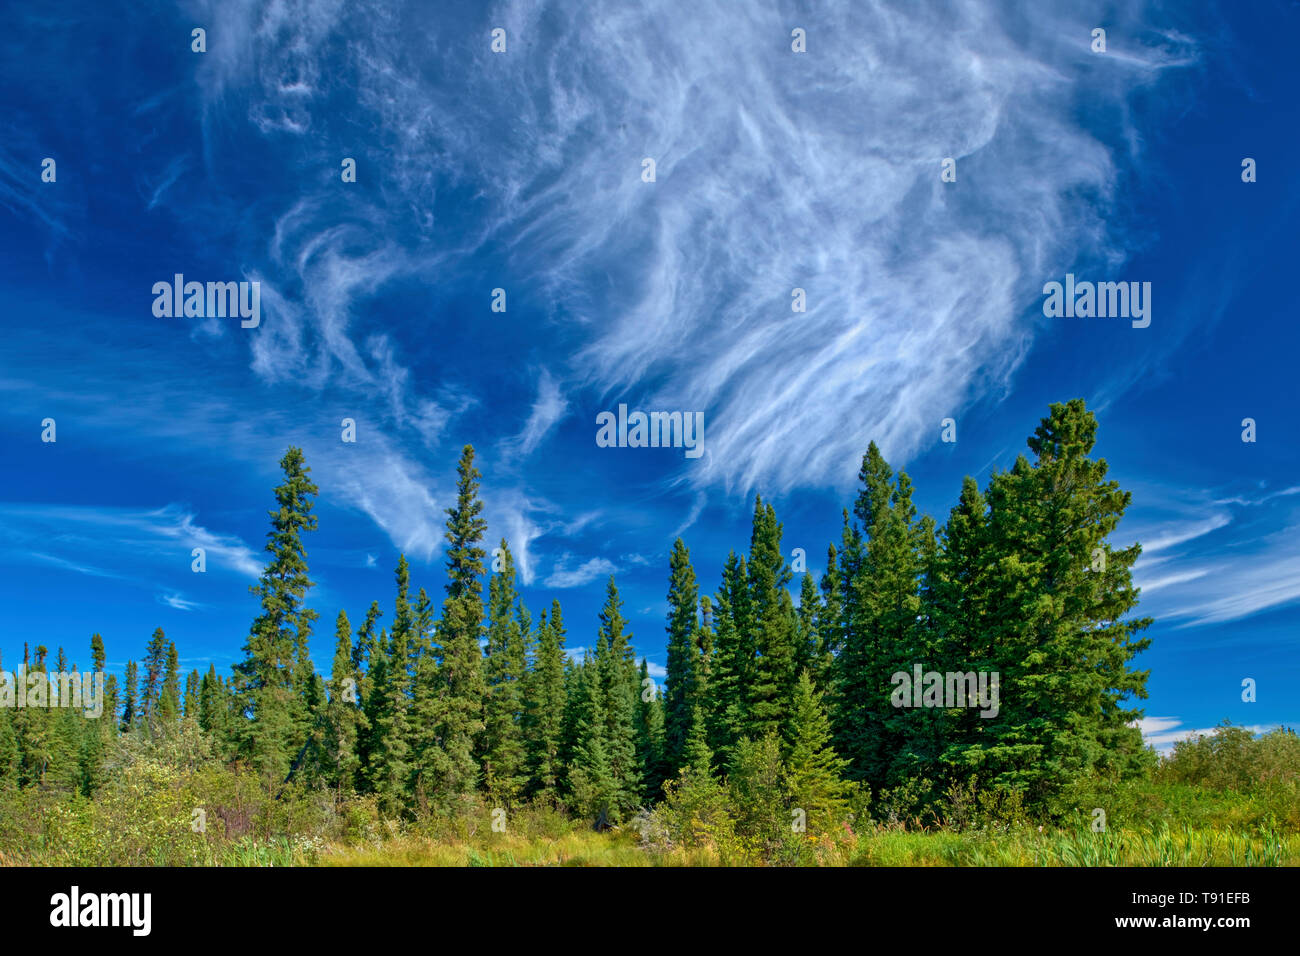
(522, 170)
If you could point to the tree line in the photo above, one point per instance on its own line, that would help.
(472, 699)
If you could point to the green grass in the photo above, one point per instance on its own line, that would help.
(1161, 847)
(1224, 801)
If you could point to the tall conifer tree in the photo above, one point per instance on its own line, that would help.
(775, 628)
(680, 695)
(617, 678)
(544, 708)
(1058, 596)
(342, 715)
(504, 670)
(264, 680)
(460, 674)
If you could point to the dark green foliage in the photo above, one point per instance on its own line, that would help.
(592, 789)
(682, 691)
(733, 661)
(544, 705)
(265, 681)
(191, 701)
(456, 697)
(772, 714)
(1056, 596)
(169, 699)
(130, 711)
(881, 570)
(814, 773)
(649, 727)
(155, 662)
(508, 636)
(344, 720)
(389, 701)
(617, 689)
(775, 628)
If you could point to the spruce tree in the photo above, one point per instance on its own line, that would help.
(265, 680)
(1058, 596)
(733, 662)
(958, 639)
(63, 769)
(130, 704)
(617, 693)
(814, 773)
(169, 697)
(504, 671)
(829, 622)
(96, 735)
(705, 648)
(882, 610)
(191, 701)
(813, 649)
(342, 715)
(592, 787)
(211, 718)
(364, 651)
(680, 693)
(32, 723)
(775, 628)
(544, 708)
(460, 674)
(390, 698)
(366, 642)
(155, 664)
(650, 742)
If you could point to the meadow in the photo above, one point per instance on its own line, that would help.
(1229, 799)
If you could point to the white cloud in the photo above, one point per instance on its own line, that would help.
(175, 600)
(775, 170)
(1163, 732)
(1230, 571)
(1239, 500)
(1171, 535)
(565, 577)
(394, 491)
(71, 565)
(170, 530)
(547, 410)
(176, 524)
(1150, 585)
(1245, 585)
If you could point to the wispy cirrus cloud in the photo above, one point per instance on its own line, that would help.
(67, 565)
(1163, 732)
(590, 570)
(549, 408)
(1211, 558)
(117, 534)
(822, 174)
(177, 601)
